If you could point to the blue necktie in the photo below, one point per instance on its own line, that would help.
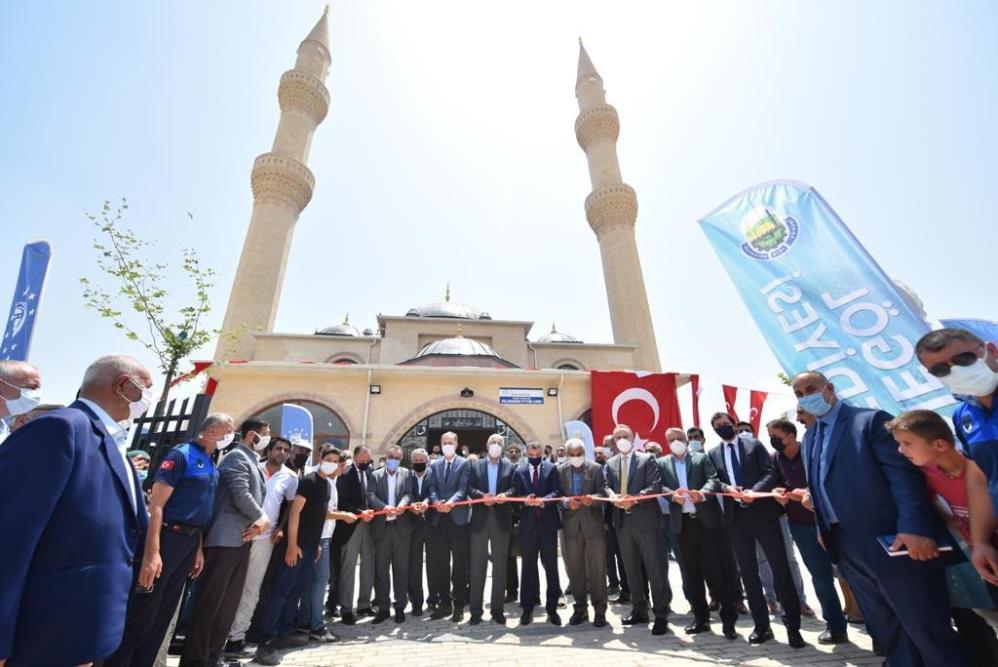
(819, 445)
(736, 467)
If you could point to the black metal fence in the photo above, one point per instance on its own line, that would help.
(178, 424)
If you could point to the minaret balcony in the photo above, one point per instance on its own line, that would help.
(599, 122)
(303, 92)
(284, 179)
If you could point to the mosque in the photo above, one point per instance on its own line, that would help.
(440, 366)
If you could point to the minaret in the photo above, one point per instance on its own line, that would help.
(282, 187)
(612, 208)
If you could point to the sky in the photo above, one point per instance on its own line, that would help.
(449, 154)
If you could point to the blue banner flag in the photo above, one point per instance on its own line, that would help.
(986, 330)
(296, 423)
(820, 300)
(27, 295)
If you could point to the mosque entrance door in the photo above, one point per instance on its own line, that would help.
(473, 428)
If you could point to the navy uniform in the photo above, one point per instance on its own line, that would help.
(189, 469)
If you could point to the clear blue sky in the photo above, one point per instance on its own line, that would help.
(449, 152)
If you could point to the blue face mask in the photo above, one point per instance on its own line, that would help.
(392, 465)
(814, 404)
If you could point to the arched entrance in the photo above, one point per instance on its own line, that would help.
(327, 425)
(473, 428)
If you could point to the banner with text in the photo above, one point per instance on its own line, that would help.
(820, 299)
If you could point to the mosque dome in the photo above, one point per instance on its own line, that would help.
(557, 337)
(448, 308)
(458, 351)
(344, 329)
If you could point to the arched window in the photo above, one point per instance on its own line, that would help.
(326, 424)
(568, 367)
(473, 427)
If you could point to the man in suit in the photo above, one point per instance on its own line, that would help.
(696, 519)
(514, 453)
(539, 524)
(238, 518)
(20, 395)
(68, 565)
(491, 478)
(352, 488)
(420, 486)
(582, 520)
(390, 492)
(862, 488)
(744, 469)
(631, 474)
(449, 565)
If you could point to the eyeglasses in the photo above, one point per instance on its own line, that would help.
(942, 369)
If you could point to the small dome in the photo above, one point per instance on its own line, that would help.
(448, 308)
(557, 337)
(459, 345)
(344, 329)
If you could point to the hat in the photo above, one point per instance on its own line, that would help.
(138, 454)
(301, 442)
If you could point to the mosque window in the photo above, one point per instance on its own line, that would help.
(327, 426)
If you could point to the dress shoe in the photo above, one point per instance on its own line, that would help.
(827, 637)
(292, 640)
(774, 607)
(806, 610)
(578, 618)
(499, 618)
(599, 621)
(741, 608)
(554, 618)
(660, 627)
(794, 639)
(729, 632)
(760, 636)
(623, 598)
(634, 619)
(511, 596)
(416, 611)
(527, 617)
(440, 612)
(476, 619)
(696, 628)
(266, 654)
(380, 617)
(613, 591)
(562, 602)
(399, 616)
(236, 650)
(333, 613)
(457, 616)
(366, 611)
(714, 605)
(348, 618)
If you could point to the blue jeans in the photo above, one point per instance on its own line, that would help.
(818, 563)
(312, 596)
(285, 588)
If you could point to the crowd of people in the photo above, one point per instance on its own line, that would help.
(240, 537)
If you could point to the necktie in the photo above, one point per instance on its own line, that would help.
(817, 446)
(736, 467)
(446, 472)
(625, 468)
(576, 484)
(537, 488)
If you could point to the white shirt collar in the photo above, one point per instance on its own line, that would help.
(114, 428)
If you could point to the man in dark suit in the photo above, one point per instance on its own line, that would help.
(491, 478)
(354, 539)
(420, 487)
(744, 468)
(390, 491)
(861, 489)
(449, 564)
(539, 524)
(696, 519)
(585, 545)
(68, 563)
(631, 474)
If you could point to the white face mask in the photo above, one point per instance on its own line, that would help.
(26, 402)
(976, 379)
(495, 450)
(624, 446)
(226, 440)
(261, 442)
(448, 450)
(677, 447)
(576, 461)
(562, 459)
(138, 408)
(328, 467)
(696, 446)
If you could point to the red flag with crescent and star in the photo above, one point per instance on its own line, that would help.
(730, 394)
(756, 400)
(646, 402)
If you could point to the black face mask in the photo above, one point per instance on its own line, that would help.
(534, 460)
(298, 461)
(726, 432)
(363, 466)
(777, 444)
(419, 467)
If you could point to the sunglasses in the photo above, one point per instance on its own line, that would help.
(942, 369)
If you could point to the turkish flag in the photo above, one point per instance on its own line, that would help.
(730, 393)
(646, 402)
(695, 387)
(756, 400)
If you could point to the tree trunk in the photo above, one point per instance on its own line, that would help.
(165, 396)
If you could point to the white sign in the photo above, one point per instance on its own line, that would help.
(521, 395)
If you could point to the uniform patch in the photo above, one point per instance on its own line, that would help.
(167, 465)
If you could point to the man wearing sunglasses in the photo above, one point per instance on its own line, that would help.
(969, 368)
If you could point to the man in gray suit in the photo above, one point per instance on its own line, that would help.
(582, 524)
(449, 565)
(237, 519)
(491, 525)
(696, 519)
(390, 491)
(630, 474)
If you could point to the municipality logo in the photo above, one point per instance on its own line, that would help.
(767, 234)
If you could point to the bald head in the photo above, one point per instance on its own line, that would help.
(16, 377)
(115, 382)
(105, 371)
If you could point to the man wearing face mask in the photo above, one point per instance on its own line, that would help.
(355, 538)
(629, 475)
(72, 533)
(181, 505)
(301, 452)
(389, 491)
(514, 455)
(862, 488)
(420, 483)
(237, 520)
(20, 391)
(450, 547)
(695, 438)
(491, 478)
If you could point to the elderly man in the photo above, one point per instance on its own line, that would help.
(389, 492)
(20, 391)
(67, 565)
(491, 478)
(420, 485)
(238, 519)
(181, 506)
(450, 546)
(582, 520)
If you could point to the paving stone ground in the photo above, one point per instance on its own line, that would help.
(419, 642)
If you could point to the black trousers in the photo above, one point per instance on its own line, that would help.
(615, 563)
(448, 563)
(729, 565)
(702, 557)
(215, 604)
(149, 614)
(746, 530)
(512, 573)
(419, 545)
(545, 544)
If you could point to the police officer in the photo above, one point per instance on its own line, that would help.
(181, 504)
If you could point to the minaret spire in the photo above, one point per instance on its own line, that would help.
(282, 187)
(612, 209)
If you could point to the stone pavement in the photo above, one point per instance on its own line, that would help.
(419, 642)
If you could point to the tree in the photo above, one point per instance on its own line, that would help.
(139, 286)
